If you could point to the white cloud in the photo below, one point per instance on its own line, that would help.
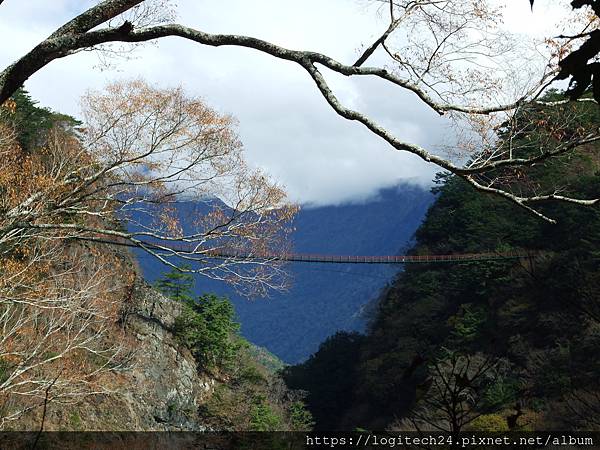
(287, 127)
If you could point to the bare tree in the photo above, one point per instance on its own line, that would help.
(58, 316)
(118, 180)
(445, 52)
(143, 152)
(452, 394)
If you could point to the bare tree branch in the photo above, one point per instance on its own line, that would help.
(452, 36)
(145, 151)
(371, 49)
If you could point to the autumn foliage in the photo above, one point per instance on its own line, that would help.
(142, 152)
(59, 300)
(68, 206)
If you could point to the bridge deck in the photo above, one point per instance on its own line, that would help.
(396, 259)
(173, 248)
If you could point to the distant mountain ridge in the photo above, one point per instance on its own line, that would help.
(325, 298)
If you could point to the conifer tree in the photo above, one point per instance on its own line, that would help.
(177, 285)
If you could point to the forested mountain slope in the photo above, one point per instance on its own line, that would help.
(323, 298)
(521, 338)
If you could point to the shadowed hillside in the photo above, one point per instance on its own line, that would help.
(479, 346)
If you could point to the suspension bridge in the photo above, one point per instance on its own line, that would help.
(189, 250)
(389, 259)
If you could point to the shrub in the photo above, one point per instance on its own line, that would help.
(468, 325)
(300, 418)
(491, 423)
(262, 417)
(504, 390)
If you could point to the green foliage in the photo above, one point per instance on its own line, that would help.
(301, 419)
(33, 123)
(553, 371)
(328, 376)
(75, 421)
(504, 391)
(5, 370)
(537, 315)
(468, 324)
(262, 416)
(250, 395)
(207, 327)
(254, 399)
(266, 358)
(252, 375)
(177, 285)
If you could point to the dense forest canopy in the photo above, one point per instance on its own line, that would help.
(515, 338)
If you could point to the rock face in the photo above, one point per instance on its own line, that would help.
(161, 390)
(166, 388)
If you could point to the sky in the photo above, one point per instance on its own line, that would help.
(287, 128)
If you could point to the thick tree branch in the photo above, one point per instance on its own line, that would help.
(15, 75)
(371, 49)
(465, 173)
(49, 50)
(76, 35)
(95, 16)
(522, 201)
(62, 45)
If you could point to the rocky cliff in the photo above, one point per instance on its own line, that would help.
(160, 388)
